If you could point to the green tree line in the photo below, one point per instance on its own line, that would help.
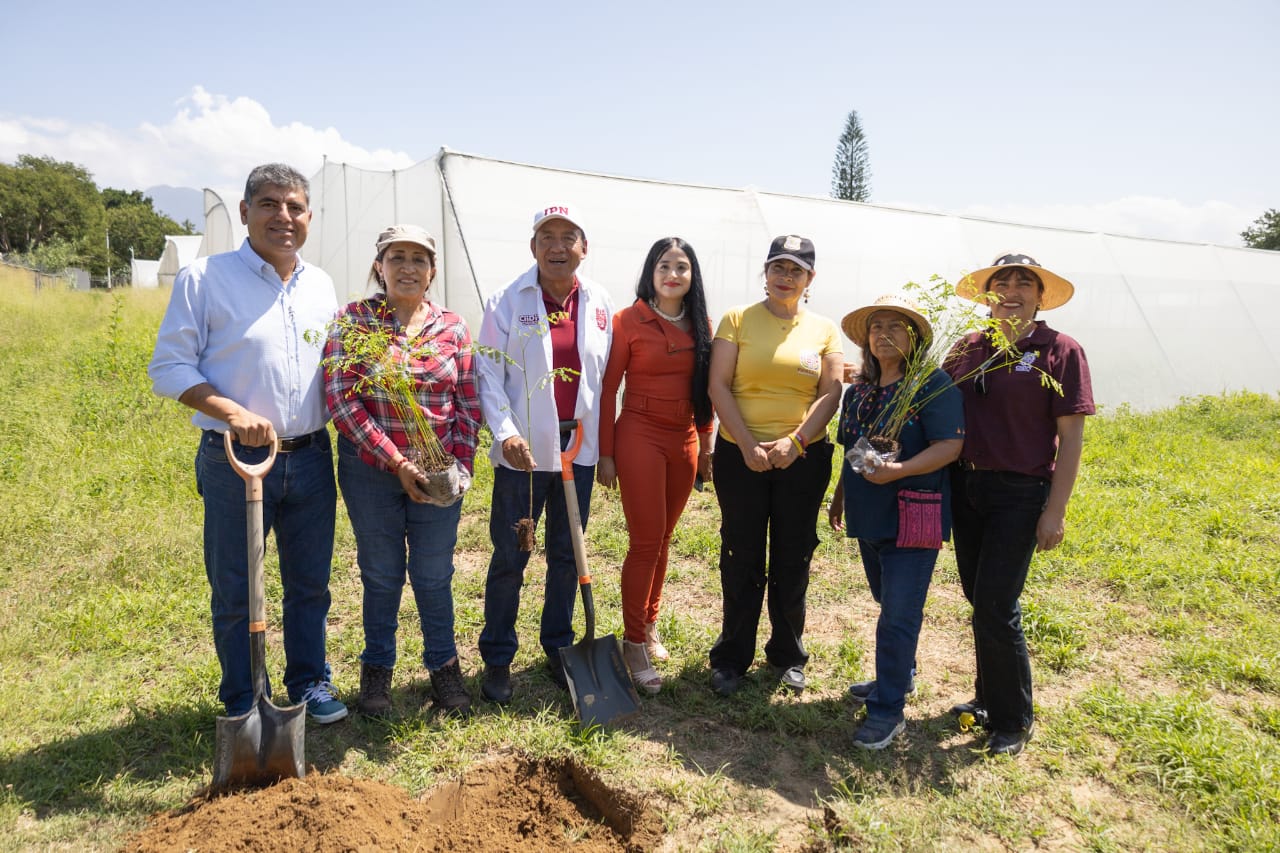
(53, 216)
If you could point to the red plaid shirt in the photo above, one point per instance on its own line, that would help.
(439, 359)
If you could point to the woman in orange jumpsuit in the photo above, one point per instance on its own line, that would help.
(661, 441)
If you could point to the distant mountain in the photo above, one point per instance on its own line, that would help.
(179, 203)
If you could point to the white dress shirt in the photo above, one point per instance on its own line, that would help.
(234, 324)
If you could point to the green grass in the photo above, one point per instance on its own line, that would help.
(1154, 634)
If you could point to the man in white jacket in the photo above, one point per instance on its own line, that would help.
(549, 319)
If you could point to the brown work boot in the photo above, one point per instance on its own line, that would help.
(449, 691)
(375, 690)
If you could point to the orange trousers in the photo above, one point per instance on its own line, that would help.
(657, 462)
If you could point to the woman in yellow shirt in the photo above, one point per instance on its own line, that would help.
(775, 384)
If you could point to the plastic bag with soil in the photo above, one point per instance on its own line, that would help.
(867, 455)
(439, 479)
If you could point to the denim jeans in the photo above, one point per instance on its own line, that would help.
(299, 504)
(994, 517)
(771, 514)
(899, 579)
(385, 521)
(498, 641)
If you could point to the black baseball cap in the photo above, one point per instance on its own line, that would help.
(792, 247)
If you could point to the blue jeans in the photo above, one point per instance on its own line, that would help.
(299, 504)
(384, 521)
(498, 641)
(768, 532)
(994, 517)
(899, 579)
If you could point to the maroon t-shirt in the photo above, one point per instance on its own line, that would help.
(564, 350)
(1013, 426)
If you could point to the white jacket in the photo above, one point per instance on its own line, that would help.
(512, 319)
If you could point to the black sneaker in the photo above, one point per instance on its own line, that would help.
(970, 714)
(725, 682)
(555, 669)
(860, 691)
(496, 684)
(449, 691)
(877, 734)
(791, 677)
(1009, 743)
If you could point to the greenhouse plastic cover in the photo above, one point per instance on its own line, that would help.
(179, 250)
(1159, 319)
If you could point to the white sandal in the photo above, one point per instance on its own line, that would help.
(653, 643)
(643, 674)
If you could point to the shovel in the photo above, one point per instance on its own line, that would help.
(599, 683)
(265, 743)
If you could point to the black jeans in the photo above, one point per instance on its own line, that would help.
(771, 514)
(994, 517)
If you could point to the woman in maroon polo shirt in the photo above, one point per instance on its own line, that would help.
(1009, 493)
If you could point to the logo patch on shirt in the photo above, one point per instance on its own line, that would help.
(810, 361)
(602, 319)
(1028, 359)
(528, 319)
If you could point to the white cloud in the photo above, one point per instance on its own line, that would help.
(1142, 216)
(212, 140)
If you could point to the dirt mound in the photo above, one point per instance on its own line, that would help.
(512, 804)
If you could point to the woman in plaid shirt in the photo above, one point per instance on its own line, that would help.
(380, 484)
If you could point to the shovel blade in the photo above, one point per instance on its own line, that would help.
(599, 683)
(263, 745)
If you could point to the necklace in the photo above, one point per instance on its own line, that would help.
(670, 318)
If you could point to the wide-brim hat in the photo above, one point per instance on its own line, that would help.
(1057, 290)
(415, 234)
(855, 322)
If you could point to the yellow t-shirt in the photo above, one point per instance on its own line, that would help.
(779, 362)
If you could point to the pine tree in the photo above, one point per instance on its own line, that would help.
(851, 173)
(1264, 233)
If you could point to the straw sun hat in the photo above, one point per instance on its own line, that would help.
(855, 322)
(1057, 290)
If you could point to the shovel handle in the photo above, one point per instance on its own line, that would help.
(567, 456)
(252, 476)
(575, 525)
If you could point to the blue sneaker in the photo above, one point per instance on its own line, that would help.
(877, 734)
(860, 691)
(322, 705)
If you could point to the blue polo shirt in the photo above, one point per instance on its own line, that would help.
(871, 510)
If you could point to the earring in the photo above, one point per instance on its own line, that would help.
(806, 296)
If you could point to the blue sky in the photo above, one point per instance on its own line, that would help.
(1147, 118)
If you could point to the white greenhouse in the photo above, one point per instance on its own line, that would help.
(1148, 312)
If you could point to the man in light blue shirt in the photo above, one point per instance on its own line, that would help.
(231, 347)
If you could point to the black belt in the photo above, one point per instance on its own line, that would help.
(288, 445)
(966, 465)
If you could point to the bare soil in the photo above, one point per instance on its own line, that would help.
(511, 803)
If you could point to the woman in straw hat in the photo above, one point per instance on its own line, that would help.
(400, 528)
(1012, 484)
(897, 510)
(775, 383)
